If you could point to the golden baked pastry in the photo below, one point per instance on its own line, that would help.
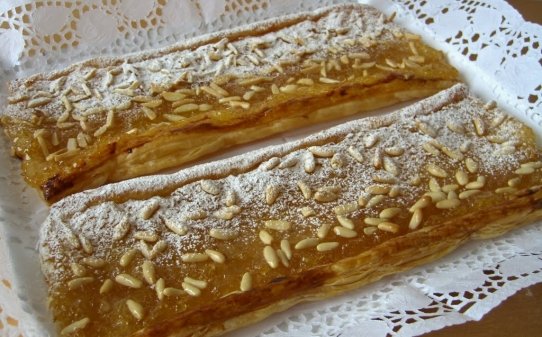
(221, 245)
(109, 119)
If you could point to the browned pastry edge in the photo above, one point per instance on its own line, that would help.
(77, 174)
(207, 139)
(132, 189)
(240, 309)
(393, 256)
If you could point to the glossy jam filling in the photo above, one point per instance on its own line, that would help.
(268, 100)
(342, 214)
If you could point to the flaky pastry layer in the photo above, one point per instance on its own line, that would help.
(110, 119)
(221, 245)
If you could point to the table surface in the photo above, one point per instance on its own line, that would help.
(519, 315)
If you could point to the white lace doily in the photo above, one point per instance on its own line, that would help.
(499, 54)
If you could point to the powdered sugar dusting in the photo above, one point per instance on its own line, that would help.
(184, 202)
(94, 219)
(198, 62)
(236, 78)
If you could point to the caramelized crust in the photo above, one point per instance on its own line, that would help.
(218, 246)
(106, 120)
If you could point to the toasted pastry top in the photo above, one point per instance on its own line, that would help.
(171, 255)
(73, 120)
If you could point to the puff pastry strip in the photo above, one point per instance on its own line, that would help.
(221, 245)
(110, 119)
